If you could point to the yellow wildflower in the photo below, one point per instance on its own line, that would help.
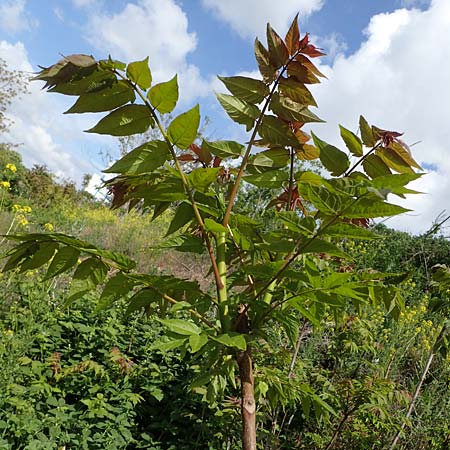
(11, 167)
(5, 184)
(22, 220)
(49, 227)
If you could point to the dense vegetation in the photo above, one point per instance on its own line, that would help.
(93, 379)
(338, 327)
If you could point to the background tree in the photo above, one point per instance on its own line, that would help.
(12, 84)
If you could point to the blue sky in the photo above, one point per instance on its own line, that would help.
(387, 59)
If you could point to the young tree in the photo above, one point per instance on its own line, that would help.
(263, 276)
(12, 84)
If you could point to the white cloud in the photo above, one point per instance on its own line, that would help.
(249, 17)
(84, 3)
(14, 18)
(44, 135)
(399, 80)
(155, 28)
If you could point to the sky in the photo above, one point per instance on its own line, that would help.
(386, 59)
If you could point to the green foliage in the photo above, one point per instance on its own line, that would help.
(281, 275)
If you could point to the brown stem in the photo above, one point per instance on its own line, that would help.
(338, 430)
(360, 160)
(248, 404)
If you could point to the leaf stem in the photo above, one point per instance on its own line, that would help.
(360, 160)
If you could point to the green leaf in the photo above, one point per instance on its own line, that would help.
(105, 100)
(271, 179)
(197, 341)
(375, 167)
(18, 254)
(299, 304)
(395, 183)
(278, 52)
(184, 243)
(319, 246)
(83, 83)
(141, 299)
(393, 160)
(167, 346)
(183, 215)
(201, 178)
(303, 225)
(90, 273)
(366, 132)
(367, 208)
(116, 287)
(65, 258)
(213, 226)
(277, 132)
(224, 149)
(124, 121)
(43, 254)
(139, 73)
(332, 158)
(122, 261)
(292, 111)
(183, 129)
(239, 111)
(171, 189)
(247, 89)
(267, 70)
(233, 340)
(182, 327)
(325, 201)
(347, 230)
(164, 96)
(296, 91)
(275, 157)
(352, 141)
(143, 159)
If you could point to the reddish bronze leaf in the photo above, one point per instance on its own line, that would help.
(312, 51)
(307, 63)
(293, 36)
(301, 73)
(278, 52)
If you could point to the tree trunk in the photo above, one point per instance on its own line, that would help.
(248, 405)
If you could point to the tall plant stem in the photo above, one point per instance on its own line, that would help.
(184, 181)
(418, 388)
(221, 241)
(248, 404)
